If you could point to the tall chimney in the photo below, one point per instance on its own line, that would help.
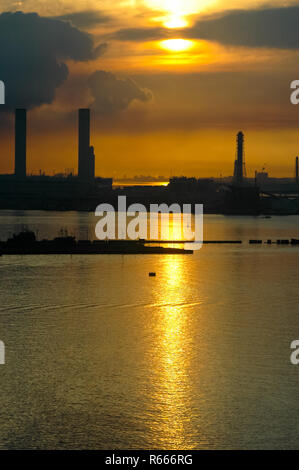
(238, 173)
(296, 170)
(20, 143)
(84, 146)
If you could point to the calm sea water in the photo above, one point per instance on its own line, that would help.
(101, 356)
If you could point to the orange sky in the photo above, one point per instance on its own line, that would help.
(202, 93)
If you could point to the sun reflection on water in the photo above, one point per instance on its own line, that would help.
(172, 386)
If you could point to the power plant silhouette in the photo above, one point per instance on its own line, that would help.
(84, 191)
(86, 157)
(59, 192)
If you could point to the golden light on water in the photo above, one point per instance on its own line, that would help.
(176, 45)
(172, 390)
(168, 227)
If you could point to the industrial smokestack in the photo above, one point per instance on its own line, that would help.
(296, 170)
(91, 163)
(20, 143)
(84, 146)
(239, 162)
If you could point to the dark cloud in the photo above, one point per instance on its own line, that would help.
(32, 61)
(85, 19)
(219, 100)
(270, 27)
(112, 94)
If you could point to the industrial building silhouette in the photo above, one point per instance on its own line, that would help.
(86, 156)
(83, 191)
(234, 195)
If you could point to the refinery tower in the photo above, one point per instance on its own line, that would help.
(239, 170)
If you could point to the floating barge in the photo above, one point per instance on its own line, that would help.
(25, 243)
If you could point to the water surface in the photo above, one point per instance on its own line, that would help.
(101, 356)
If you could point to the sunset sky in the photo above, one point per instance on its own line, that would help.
(169, 83)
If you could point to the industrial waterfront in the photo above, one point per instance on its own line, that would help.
(141, 352)
(149, 228)
(83, 190)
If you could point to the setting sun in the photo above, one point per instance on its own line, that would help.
(176, 11)
(176, 45)
(176, 21)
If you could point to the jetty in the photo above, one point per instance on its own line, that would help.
(25, 243)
